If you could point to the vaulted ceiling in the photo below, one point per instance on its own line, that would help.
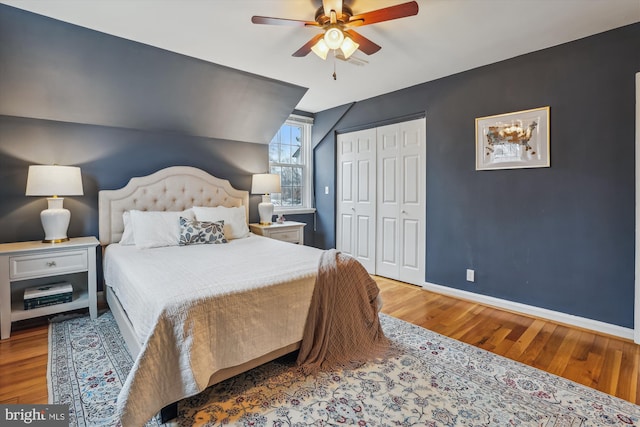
(446, 37)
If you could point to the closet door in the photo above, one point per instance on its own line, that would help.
(388, 189)
(412, 215)
(400, 248)
(356, 196)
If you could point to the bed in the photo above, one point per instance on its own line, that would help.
(195, 315)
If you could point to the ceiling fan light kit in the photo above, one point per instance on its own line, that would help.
(348, 47)
(333, 37)
(337, 21)
(321, 49)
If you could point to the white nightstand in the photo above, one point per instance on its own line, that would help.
(288, 231)
(28, 264)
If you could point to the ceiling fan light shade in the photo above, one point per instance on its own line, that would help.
(333, 37)
(348, 46)
(321, 49)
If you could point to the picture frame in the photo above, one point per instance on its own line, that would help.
(513, 140)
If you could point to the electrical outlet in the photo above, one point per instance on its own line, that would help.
(471, 275)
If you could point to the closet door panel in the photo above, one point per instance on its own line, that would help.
(388, 187)
(345, 202)
(347, 182)
(412, 206)
(364, 238)
(345, 238)
(364, 182)
(356, 198)
(411, 181)
(365, 206)
(388, 240)
(410, 250)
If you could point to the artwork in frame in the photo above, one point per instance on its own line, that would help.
(513, 140)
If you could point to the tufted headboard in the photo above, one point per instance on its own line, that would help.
(172, 189)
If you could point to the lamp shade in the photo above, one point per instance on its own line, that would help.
(265, 183)
(53, 180)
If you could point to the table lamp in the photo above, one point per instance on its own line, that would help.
(53, 180)
(265, 183)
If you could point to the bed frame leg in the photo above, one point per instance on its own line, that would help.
(169, 412)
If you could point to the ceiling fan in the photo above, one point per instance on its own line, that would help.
(338, 22)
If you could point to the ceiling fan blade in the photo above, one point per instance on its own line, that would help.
(283, 21)
(329, 5)
(304, 50)
(366, 45)
(385, 14)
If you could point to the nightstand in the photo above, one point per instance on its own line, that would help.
(28, 264)
(288, 231)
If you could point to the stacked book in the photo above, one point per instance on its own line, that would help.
(42, 296)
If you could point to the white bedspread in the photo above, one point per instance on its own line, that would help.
(199, 309)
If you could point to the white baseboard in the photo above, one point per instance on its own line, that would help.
(556, 316)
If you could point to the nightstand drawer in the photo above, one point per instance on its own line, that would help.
(47, 264)
(286, 235)
(288, 231)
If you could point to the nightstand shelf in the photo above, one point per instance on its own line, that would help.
(288, 231)
(80, 300)
(29, 264)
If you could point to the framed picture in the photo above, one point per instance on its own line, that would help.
(513, 140)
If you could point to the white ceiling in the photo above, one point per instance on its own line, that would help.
(446, 37)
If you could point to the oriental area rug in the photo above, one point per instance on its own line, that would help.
(431, 380)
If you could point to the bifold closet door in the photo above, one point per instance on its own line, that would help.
(401, 193)
(356, 196)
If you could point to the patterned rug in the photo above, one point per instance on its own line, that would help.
(433, 381)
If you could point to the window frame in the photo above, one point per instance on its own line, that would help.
(306, 123)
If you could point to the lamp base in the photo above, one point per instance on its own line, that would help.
(55, 221)
(66, 239)
(265, 209)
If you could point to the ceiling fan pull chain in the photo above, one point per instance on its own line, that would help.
(334, 67)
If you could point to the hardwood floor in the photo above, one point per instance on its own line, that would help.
(23, 365)
(605, 363)
(602, 362)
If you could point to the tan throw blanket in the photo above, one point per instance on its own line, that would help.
(342, 328)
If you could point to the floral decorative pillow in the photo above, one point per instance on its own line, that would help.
(194, 232)
(235, 219)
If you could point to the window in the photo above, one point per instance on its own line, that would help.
(290, 157)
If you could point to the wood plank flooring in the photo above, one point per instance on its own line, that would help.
(605, 363)
(602, 362)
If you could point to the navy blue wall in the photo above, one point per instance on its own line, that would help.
(119, 109)
(560, 238)
(108, 158)
(57, 71)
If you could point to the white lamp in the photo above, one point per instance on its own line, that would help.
(48, 180)
(265, 183)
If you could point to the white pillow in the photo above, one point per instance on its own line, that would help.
(152, 229)
(235, 219)
(127, 235)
